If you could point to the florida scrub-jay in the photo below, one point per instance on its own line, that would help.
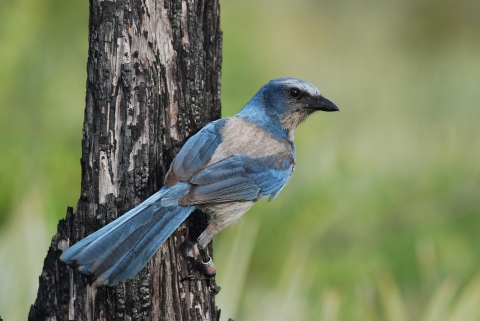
(223, 170)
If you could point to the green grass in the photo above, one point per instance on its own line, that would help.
(294, 295)
(380, 220)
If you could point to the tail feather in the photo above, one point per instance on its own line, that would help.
(122, 241)
(69, 256)
(140, 254)
(120, 236)
(121, 249)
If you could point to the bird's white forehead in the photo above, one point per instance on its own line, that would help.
(302, 85)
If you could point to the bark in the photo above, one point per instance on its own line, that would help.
(153, 81)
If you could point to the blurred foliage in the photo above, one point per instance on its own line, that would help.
(380, 220)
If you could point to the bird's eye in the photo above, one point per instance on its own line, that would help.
(294, 92)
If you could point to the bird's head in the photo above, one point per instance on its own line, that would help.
(288, 101)
(293, 100)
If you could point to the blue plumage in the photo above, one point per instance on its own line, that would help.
(224, 169)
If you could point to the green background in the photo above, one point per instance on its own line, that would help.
(380, 220)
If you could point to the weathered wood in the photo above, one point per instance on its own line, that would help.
(153, 81)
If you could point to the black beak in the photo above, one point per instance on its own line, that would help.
(321, 103)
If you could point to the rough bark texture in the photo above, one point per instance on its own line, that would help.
(153, 81)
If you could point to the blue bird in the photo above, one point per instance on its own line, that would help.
(222, 170)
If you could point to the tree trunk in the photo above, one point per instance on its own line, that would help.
(153, 81)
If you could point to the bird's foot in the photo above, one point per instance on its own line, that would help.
(211, 282)
(209, 271)
(214, 286)
(207, 263)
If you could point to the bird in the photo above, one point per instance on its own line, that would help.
(222, 170)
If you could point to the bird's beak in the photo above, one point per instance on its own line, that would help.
(322, 103)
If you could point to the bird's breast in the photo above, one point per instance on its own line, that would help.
(242, 137)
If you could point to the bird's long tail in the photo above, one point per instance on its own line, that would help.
(122, 248)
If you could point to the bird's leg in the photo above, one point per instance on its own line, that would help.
(223, 215)
(207, 262)
(209, 269)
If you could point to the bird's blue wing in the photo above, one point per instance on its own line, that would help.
(195, 153)
(238, 178)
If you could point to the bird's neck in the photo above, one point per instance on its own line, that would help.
(260, 118)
